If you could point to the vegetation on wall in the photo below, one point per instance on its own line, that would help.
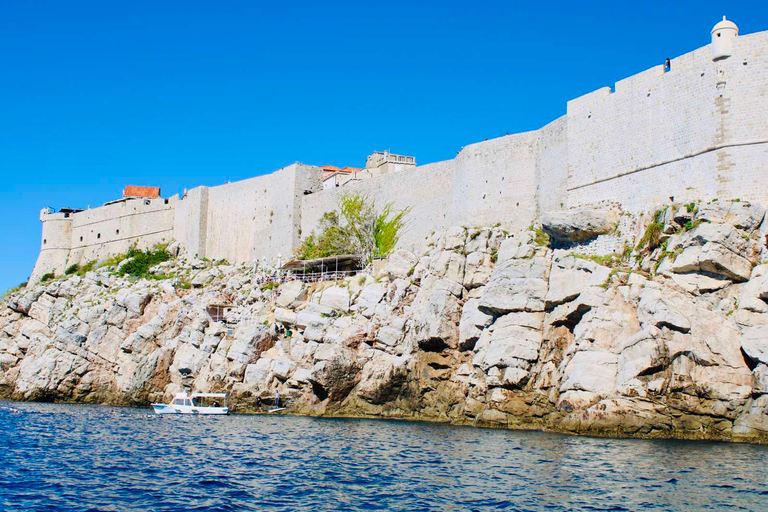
(358, 227)
(141, 261)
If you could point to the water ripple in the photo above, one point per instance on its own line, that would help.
(78, 457)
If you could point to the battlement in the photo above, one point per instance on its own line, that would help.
(694, 130)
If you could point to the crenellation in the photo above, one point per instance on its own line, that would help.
(695, 131)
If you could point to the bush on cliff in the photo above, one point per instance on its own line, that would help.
(142, 261)
(358, 227)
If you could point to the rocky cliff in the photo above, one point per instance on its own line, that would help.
(665, 339)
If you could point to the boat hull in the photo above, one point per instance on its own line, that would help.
(186, 409)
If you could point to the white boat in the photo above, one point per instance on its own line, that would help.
(196, 403)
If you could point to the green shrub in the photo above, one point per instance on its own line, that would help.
(269, 286)
(47, 277)
(84, 269)
(652, 235)
(141, 262)
(541, 238)
(72, 269)
(358, 227)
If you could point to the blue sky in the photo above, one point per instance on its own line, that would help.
(98, 95)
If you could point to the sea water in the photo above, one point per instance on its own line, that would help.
(81, 457)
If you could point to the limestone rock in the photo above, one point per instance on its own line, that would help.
(516, 285)
(477, 270)
(754, 343)
(740, 214)
(515, 340)
(292, 295)
(579, 223)
(570, 276)
(400, 264)
(133, 302)
(656, 310)
(642, 353)
(592, 371)
(472, 323)
(370, 297)
(336, 298)
(454, 238)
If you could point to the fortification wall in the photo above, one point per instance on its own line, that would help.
(696, 132)
(55, 244)
(699, 131)
(97, 233)
(427, 190)
(247, 219)
(495, 182)
(552, 166)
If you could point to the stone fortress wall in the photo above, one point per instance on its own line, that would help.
(697, 131)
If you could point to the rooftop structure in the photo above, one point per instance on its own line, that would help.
(147, 192)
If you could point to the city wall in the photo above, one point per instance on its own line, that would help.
(697, 131)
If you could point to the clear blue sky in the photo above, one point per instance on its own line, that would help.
(97, 95)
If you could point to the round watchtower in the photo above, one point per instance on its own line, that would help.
(55, 246)
(723, 35)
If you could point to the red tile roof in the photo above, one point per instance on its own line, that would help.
(134, 191)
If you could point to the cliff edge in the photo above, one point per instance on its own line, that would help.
(666, 337)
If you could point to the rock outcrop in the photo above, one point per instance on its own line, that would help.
(482, 328)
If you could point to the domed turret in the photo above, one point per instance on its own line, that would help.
(723, 35)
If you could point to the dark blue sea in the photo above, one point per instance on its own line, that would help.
(81, 457)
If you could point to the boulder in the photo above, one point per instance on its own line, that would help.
(400, 264)
(436, 324)
(516, 285)
(285, 316)
(657, 310)
(454, 238)
(740, 214)
(515, 340)
(754, 343)
(477, 270)
(472, 323)
(570, 276)
(641, 354)
(336, 297)
(133, 302)
(579, 224)
(591, 371)
(369, 298)
(292, 295)
(448, 265)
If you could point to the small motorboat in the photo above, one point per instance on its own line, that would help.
(196, 403)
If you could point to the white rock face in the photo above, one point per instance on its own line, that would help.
(579, 223)
(292, 294)
(570, 276)
(336, 298)
(591, 371)
(517, 285)
(400, 264)
(489, 329)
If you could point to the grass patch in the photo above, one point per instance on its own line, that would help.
(13, 290)
(269, 286)
(47, 277)
(652, 235)
(541, 238)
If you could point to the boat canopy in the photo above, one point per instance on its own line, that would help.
(211, 395)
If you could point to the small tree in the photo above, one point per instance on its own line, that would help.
(358, 228)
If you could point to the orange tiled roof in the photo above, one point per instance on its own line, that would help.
(329, 168)
(134, 191)
(350, 169)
